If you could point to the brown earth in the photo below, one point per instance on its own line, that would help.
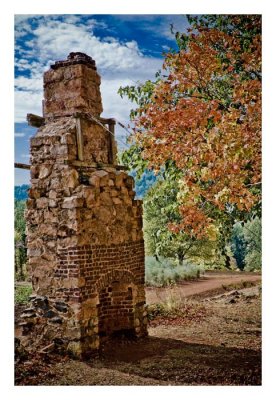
(211, 281)
(211, 339)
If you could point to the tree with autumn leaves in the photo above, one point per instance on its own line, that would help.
(202, 118)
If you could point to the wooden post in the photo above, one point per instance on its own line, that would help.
(79, 139)
(113, 145)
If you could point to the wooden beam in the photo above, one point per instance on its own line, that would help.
(22, 166)
(108, 121)
(35, 120)
(84, 164)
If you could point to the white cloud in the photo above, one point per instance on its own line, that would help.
(27, 102)
(19, 134)
(55, 40)
(22, 18)
(118, 63)
(22, 24)
(33, 84)
(73, 19)
(114, 106)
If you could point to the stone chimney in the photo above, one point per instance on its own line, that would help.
(84, 227)
(72, 86)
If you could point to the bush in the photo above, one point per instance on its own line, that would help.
(247, 244)
(253, 237)
(175, 308)
(22, 294)
(166, 272)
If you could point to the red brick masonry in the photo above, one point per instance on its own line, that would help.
(99, 265)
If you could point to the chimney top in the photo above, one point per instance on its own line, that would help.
(75, 58)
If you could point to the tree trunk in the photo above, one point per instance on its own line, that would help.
(180, 257)
(227, 262)
(156, 257)
(16, 261)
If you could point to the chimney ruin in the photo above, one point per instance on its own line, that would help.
(84, 227)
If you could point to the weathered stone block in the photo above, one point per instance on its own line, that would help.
(34, 193)
(52, 194)
(104, 214)
(116, 200)
(44, 171)
(70, 179)
(94, 180)
(90, 200)
(34, 252)
(106, 199)
(72, 202)
(52, 203)
(42, 202)
(48, 230)
(34, 171)
(120, 176)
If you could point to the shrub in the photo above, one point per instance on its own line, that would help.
(22, 294)
(177, 309)
(247, 244)
(166, 272)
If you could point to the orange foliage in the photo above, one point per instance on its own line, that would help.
(206, 117)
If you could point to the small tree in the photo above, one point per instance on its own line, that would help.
(253, 237)
(20, 251)
(246, 244)
(238, 245)
(161, 208)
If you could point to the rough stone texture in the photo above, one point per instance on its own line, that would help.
(84, 227)
(72, 85)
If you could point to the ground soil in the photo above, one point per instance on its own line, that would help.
(211, 282)
(210, 334)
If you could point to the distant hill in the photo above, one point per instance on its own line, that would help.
(21, 192)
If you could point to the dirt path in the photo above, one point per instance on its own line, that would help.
(207, 283)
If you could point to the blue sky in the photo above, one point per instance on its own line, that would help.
(127, 49)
